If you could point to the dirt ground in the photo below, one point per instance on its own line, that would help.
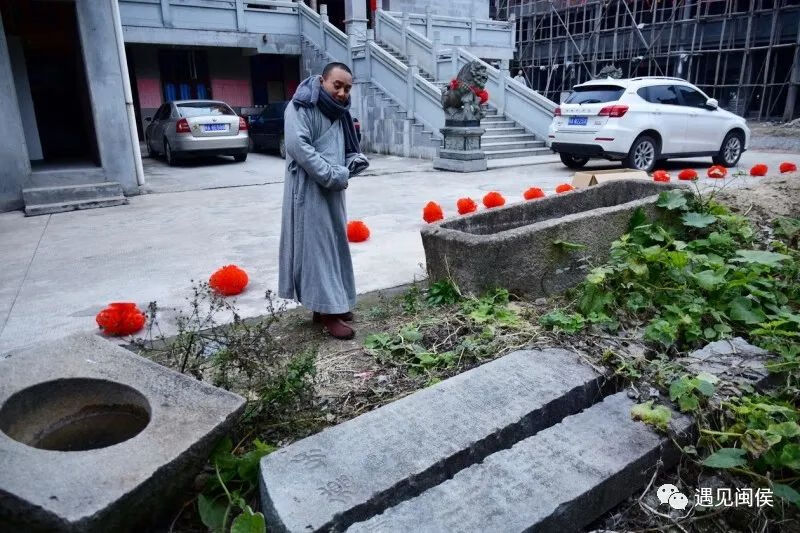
(777, 137)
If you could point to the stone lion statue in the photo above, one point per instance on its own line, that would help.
(609, 71)
(463, 97)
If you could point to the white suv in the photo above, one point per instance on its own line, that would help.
(640, 121)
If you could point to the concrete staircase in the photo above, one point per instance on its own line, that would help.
(60, 198)
(504, 138)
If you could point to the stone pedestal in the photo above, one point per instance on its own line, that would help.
(462, 147)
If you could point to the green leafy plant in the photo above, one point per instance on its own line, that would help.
(657, 416)
(233, 485)
(443, 292)
(561, 321)
(690, 392)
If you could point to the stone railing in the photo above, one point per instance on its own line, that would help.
(518, 102)
(316, 28)
(489, 39)
(415, 95)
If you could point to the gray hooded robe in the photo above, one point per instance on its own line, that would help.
(314, 262)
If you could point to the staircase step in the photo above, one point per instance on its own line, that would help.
(560, 479)
(359, 468)
(492, 119)
(500, 124)
(522, 152)
(515, 145)
(491, 130)
(61, 207)
(69, 193)
(529, 137)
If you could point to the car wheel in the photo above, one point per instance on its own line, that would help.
(150, 152)
(282, 148)
(240, 158)
(730, 151)
(643, 154)
(573, 161)
(169, 157)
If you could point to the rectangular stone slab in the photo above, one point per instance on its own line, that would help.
(559, 480)
(357, 469)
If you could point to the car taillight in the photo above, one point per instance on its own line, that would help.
(242, 124)
(613, 111)
(182, 126)
(557, 112)
(357, 125)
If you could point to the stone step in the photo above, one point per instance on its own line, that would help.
(53, 194)
(522, 152)
(492, 130)
(510, 145)
(361, 467)
(530, 137)
(498, 123)
(560, 479)
(492, 119)
(61, 207)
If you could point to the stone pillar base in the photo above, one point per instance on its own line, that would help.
(462, 147)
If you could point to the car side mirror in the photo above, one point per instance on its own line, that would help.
(712, 103)
(148, 119)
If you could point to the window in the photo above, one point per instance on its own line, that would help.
(692, 98)
(595, 94)
(195, 109)
(660, 94)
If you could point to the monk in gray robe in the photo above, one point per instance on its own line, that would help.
(322, 154)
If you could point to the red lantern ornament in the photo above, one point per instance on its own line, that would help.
(454, 83)
(432, 212)
(228, 280)
(688, 174)
(357, 231)
(759, 170)
(786, 166)
(717, 172)
(533, 193)
(466, 205)
(493, 199)
(564, 187)
(661, 176)
(120, 318)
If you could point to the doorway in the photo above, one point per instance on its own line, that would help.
(44, 34)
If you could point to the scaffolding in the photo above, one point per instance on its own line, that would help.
(744, 53)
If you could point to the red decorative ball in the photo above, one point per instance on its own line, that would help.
(357, 231)
(688, 174)
(493, 199)
(228, 280)
(759, 170)
(661, 176)
(717, 172)
(432, 212)
(564, 187)
(466, 205)
(786, 166)
(533, 193)
(121, 318)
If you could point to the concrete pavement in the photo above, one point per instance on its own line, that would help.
(57, 271)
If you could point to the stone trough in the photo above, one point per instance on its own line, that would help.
(95, 438)
(514, 247)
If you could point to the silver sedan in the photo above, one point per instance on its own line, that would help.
(196, 127)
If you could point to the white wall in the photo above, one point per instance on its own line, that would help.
(451, 8)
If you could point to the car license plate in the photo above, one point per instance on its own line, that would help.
(215, 127)
(578, 121)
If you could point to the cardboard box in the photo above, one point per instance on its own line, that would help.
(587, 178)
